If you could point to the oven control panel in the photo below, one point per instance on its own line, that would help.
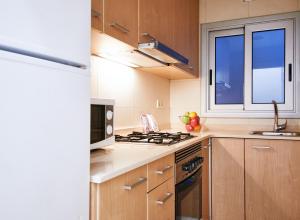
(192, 164)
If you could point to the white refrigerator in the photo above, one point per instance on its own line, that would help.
(44, 109)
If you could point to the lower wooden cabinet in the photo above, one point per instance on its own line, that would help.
(272, 178)
(122, 198)
(161, 202)
(227, 179)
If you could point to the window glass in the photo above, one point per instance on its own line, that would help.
(268, 58)
(229, 68)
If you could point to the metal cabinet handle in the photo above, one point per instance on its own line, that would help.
(133, 185)
(96, 14)
(205, 147)
(190, 67)
(119, 27)
(261, 147)
(161, 172)
(164, 199)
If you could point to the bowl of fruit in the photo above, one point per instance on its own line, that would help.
(191, 121)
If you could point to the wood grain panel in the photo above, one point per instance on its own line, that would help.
(97, 14)
(272, 179)
(205, 180)
(116, 203)
(227, 179)
(186, 32)
(155, 179)
(157, 18)
(125, 14)
(164, 211)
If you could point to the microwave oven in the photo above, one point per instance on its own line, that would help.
(102, 123)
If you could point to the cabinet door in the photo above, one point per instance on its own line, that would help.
(156, 17)
(118, 201)
(186, 32)
(220, 10)
(267, 7)
(161, 202)
(228, 179)
(97, 14)
(160, 170)
(121, 20)
(205, 179)
(272, 179)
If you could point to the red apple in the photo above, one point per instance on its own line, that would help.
(189, 127)
(194, 122)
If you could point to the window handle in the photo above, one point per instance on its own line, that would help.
(290, 72)
(210, 77)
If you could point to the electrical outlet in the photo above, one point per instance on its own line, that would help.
(159, 104)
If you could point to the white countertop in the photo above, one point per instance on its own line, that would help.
(120, 158)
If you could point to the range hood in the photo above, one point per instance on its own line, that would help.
(161, 52)
(153, 57)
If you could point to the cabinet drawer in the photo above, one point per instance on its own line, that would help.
(124, 197)
(161, 202)
(159, 171)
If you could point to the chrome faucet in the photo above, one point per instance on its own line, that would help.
(277, 127)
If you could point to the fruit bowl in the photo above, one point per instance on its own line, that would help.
(191, 121)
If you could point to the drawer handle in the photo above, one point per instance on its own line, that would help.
(96, 14)
(119, 27)
(164, 199)
(133, 185)
(161, 172)
(205, 147)
(261, 147)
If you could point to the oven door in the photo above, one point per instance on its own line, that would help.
(188, 197)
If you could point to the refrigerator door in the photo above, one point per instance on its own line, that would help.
(55, 28)
(44, 140)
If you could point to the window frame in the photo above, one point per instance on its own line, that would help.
(212, 64)
(250, 110)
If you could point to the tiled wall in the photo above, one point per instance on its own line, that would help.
(135, 92)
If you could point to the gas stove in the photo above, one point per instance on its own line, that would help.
(163, 138)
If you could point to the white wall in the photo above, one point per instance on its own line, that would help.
(185, 96)
(135, 92)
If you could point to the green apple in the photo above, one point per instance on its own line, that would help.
(185, 119)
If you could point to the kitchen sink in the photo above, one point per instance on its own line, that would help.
(278, 133)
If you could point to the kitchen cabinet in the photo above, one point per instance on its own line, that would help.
(160, 170)
(186, 32)
(205, 151)
(272, 179)
(121, 20)
(221, 10)
(124, 197)
(161, 202)
(157, 18)
(227, 179)
(267, 7)
(97, 14)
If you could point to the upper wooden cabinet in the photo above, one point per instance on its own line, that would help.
(186, 32)
(121, 20)
(157, 18)
(97, 14)
(228, 179)
(272, 179)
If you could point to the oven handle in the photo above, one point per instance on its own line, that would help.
(164, 199)
(190, 180)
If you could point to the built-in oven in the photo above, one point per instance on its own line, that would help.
(188, 188)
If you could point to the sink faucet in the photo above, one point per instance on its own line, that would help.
(277, 127)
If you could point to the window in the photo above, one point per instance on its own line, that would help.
(249, 63)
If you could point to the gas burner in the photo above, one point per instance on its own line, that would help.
(162, 138)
